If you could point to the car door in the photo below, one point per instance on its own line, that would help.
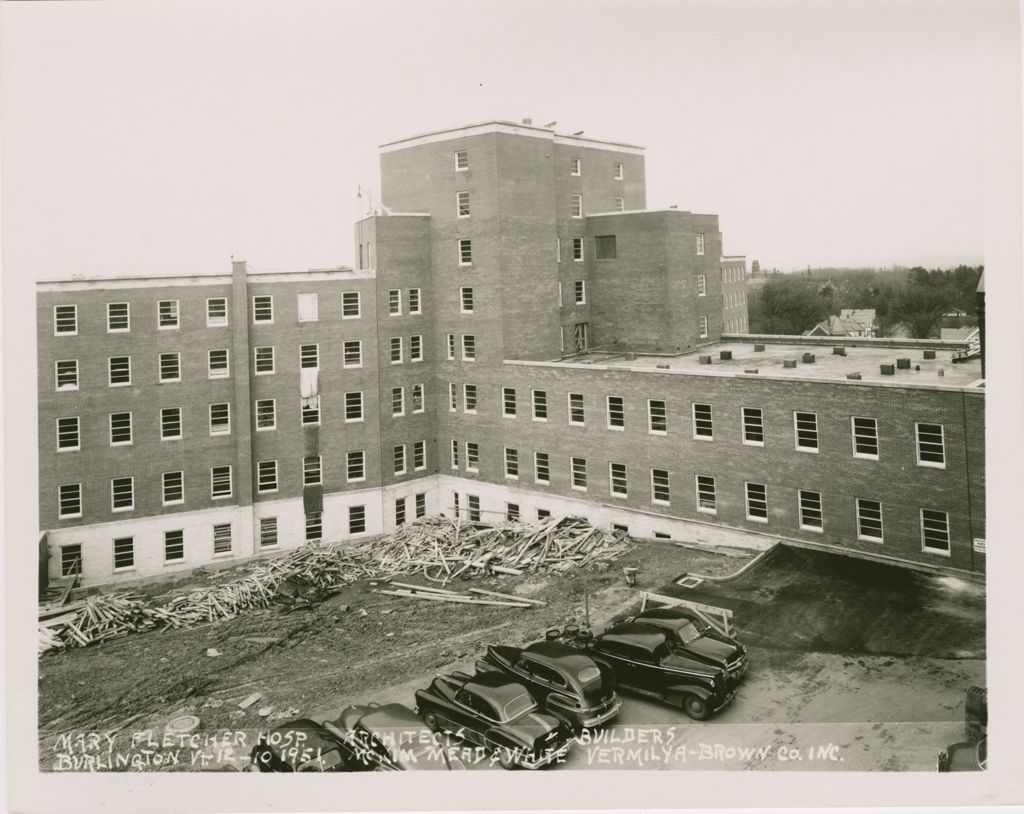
(466, 716)
(542, 681)
(619, 656)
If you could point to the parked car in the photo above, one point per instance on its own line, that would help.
(695, 638)
(644, 661)
(391, 737)
(964, 757)
(493, 711)
(303, 745)
(565, 682)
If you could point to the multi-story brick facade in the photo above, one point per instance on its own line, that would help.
(520, 335)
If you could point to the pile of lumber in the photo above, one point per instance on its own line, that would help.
(94, 619)
(474, 596)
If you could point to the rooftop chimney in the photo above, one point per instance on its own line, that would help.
(527, 121)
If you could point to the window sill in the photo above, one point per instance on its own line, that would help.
(125, 510)
(540, 420)
(222, 555)
(69, 449)
(356, 480)
(937, 551)
(617, 496)
(216, 324)
(118, 384)
(929, 465)
(266, 429)
(753, 443)
(218, 376)
(174, 562)
(875, 540)
(511, 477)
(616, 429)
(579, 488)
(577, 424)
(543, 482)
(174, 503)
(354, 420)
(221, 497)
(865, 457)
(65, 389)
(661, 433)
(167, 327)
(814, 529)
(703, 438)
(757, 519)
(805, 449)
(219, 432)
(129, 569)
(715, 512)
(69, 516)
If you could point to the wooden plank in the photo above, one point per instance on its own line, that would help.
(507, 596)
(464, 600)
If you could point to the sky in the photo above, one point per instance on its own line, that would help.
(167, 138)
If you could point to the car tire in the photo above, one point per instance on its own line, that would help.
(507, 759)
(430, 719)
(696, 707)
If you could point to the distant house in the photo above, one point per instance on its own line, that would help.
(850, 322)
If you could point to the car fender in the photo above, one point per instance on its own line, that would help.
(485, 666)
(607, 671)
(678, 689)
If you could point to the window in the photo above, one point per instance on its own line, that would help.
(65, 320)
(68, 434)
(220, 482)
(120, 429)
(67, 374)
(263, 309)
(119, 370)
(268, 532)
(352, 353)
(704, 428)
(170, 423)
(466, 299)
(217, 316)
(70, 560)
(472, 456)
(400, 511)
(309, 356)
(266, 480)
(354, 406)
(173, 487)
(805, 426)
(707, 498)
(310, 409)
(657, 417)
(576, 205)
(124, 553)
(541, 467)
(604, 247)
(558, 249)
(574, 166)
(865, 437)
(266, 414)
(700, 243)
(419, 455)
(461, 160)
(540, 405)
(309, 308)
(312, 471)
(468, 347)
(616, 413)
(465, 252)
(455, 454)
(397, 401)
(417, 398)
(512, 512)
(753, 426)
(869, 520)
(577, 249)
(462, 204)
(355, 466)
(810, 510)
(702, 327)
(167, 314)
(934, 531)
(617, 480)
(450, 347)
(578, 468)
(122, 494)
(617, 175)
(264, 360)
(511, 463)
(221, 538)
(469, 397)
(220, 419)
(350, 305)
(757, 502)
(314, 526)
(399, 459)
(474, 508)
(508, 402)
(421, 505)
(69, 500)
(396, 350)
(576, 411)
(620, 205)
(453, 397)
(415, 301)
(395, 302)
(218, 365)
(930, 446)
(659, 487)
(117, 317)
(579, 292)
(170, 367)
(174, 545)
(543, 514)
(356, 519)
(416, 348)
(702, 285)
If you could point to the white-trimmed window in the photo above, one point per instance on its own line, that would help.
(170, 367)
(419, 455)
(266, 414)
(511, 463)
(351, 307)
(455, 454)
(268, 532)
(465, 252)
(509, 407)
(472, 456)
(119, 371)
(216, 317)
(468, 348)
(395, 302)
(356, 519)
(309, 307)
(702, 285)
(616, 413)
(354, 406)
(453, 397)
(167, 315)
(541, 467)
(118, 319)
(416, 348)
(65, 320)
(865, 437)
(266, 476)
(120, 429)
(620, 205)
(312, 471)
(512, 512)
(466, 300)
(660, 493)
(700, 243)
(66, 374)
(703, 424)
(218, 364)
(418, 400)
(174, 545)
(124, 553)
(122, 494)
(469, 398)
(396, 350)
(577, 249)
(173, 488)
(540, 405)
(352, 353)
(757, 502)
(617, 174)
(450, 347)
(575, 166)
(931, 448)
(222, 538)
(399, 459)
(811, 518)
(935, 532)
(753, 426)
(309, 356)
(263, 308)
(68, 434)
(415, 301)
(657, 417)
(869, 520)
(461, 160)
(314, 526)
(617, 480)
(702, 327)
(805, 429)
(170, 423)
(579, 292)
(309, 409)
(400, 511)
(462, 204)
(707, 496)
(398, 401)
(578, 469)
(576, 205)
(577, 415)
(264, 360)
(473, 507)
(69, 501)
(220, 418)
(355, 466)
(220, 482)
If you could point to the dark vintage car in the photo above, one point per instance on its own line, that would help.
(565, 682)
(964, 757)
(494, 712)
(695, 638)
(391, 737)
(643, 661)
(303, 745)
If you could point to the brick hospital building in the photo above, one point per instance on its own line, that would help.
(520, 337)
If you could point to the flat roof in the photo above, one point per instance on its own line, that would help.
(85, 282)
(511, 128)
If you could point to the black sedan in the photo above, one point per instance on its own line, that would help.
(391, 737)
(697, 640)
(565, 682)
(496, 713)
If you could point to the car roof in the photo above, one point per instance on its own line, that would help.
(389, 717)
(635, 634)
(560, 656)
(317, 737)
(495, 688)
(680, 616)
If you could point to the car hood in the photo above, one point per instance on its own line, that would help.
(713, 648)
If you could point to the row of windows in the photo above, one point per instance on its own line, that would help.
(734, 299)
(732, 275)
(267, 476)
(414, 302)
(468, 342)
(736, 326)
(575, 165)
(579, 293)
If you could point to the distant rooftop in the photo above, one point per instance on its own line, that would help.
(524, 128)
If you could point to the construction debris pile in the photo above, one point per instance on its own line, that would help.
(439, 548)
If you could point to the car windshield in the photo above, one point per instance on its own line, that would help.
(519, 705)
(689, 632)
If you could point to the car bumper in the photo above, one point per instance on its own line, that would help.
(548, 756)
(718, 706)
(603, 713)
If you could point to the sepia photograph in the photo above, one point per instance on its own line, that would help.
(569, 389)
